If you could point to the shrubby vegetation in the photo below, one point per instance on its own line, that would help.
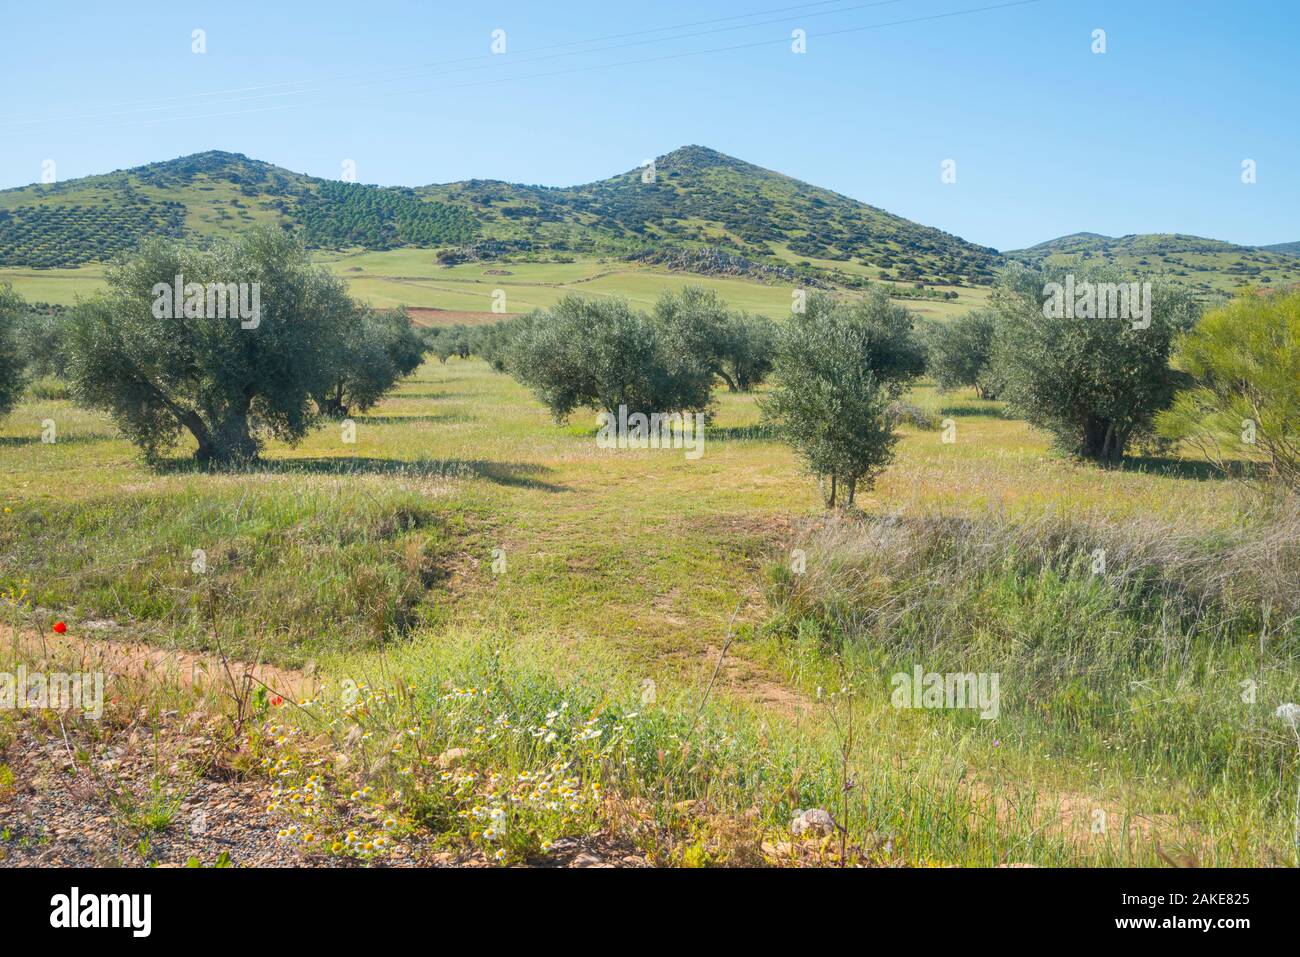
(383, 349)
(961, 353)
(1088, 659)
(12, 374)
(1095, 383)
(226, 385)
(838, 369)
(1245, 358)
(602, 354)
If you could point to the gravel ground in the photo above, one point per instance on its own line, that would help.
(58, 813)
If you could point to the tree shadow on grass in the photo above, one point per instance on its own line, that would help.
(430, 395)
(15, 441)
(965, 411)
(509, 474)
(735, 433)
(1186, 468)
(712, 433)
(407, 419)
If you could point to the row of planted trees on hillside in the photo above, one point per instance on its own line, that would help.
(162, 368)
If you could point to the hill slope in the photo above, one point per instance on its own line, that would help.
(1205, 265)
(716, 211)
(703, 199)
(703, 212)
(207, 195)
(1289, 249)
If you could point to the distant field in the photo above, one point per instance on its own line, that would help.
(412, 277)
(60, 287)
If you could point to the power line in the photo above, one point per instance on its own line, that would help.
(606, 66)
(492, 60)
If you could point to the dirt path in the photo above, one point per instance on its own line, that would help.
(136, 660)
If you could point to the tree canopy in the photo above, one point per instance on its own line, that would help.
(225, 381)
(1095, 381)
(12, 309)
(838, 368)
(1244, 359)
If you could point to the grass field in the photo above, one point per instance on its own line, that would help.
(61, 287)
(466, 540)
(412, 277)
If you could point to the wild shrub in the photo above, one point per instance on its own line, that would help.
(1245, 401)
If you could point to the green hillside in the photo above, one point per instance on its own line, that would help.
(1208, 266)
(705, 212)
(204, 196)
(740, 213)
(1290, 249)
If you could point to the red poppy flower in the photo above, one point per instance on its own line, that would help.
(277, 701)
(60, 627)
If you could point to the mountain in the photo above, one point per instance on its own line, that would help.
(702, 211)
(1289, 249)
(702, 198)
(1205, 265)
(208, 195)
(701, 203)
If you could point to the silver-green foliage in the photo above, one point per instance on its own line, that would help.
(838, 368)
(227, 385)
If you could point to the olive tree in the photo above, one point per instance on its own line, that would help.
(737, 348)
(230, 344)
(12, 309)
(749, 352)
(838, 368)
(602, 354)
(1085, 353)
(962, 354)
(494, 342)
(382, 349)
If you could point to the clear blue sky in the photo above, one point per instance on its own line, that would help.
(1048, 137)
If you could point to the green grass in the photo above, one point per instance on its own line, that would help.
(376, 561)
(412, 277)
(61, 287)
